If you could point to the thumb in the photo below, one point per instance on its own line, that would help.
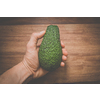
(40, 35)
(35, 36)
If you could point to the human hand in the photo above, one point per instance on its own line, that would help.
(31, 61)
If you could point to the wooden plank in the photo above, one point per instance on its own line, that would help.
(48, 20)
(82, 42)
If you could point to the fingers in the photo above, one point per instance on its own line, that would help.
(62, 64)
(43, 71)
(64, 51)
(38, 49)
(38, 45)
(64, 58)
(40, 72)
(62, 44)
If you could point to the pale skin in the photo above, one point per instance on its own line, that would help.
(29, 68)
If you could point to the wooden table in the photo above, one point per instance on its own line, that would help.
(81, 37)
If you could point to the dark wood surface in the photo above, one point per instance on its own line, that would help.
(48, 20)
(81, 39)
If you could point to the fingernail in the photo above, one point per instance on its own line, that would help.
(65, 57)
(42, 31)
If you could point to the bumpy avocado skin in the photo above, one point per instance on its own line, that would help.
(50, 51)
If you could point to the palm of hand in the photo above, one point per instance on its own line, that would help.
(31, 58)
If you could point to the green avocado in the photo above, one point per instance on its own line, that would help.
(50, 51)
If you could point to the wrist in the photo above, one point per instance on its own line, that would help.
(26, 65)
(24, 73)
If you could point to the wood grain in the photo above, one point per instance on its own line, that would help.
(48, 20)
(82, 42)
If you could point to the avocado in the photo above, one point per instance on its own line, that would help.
(50, 51)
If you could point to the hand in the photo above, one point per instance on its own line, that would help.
(31, 60)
